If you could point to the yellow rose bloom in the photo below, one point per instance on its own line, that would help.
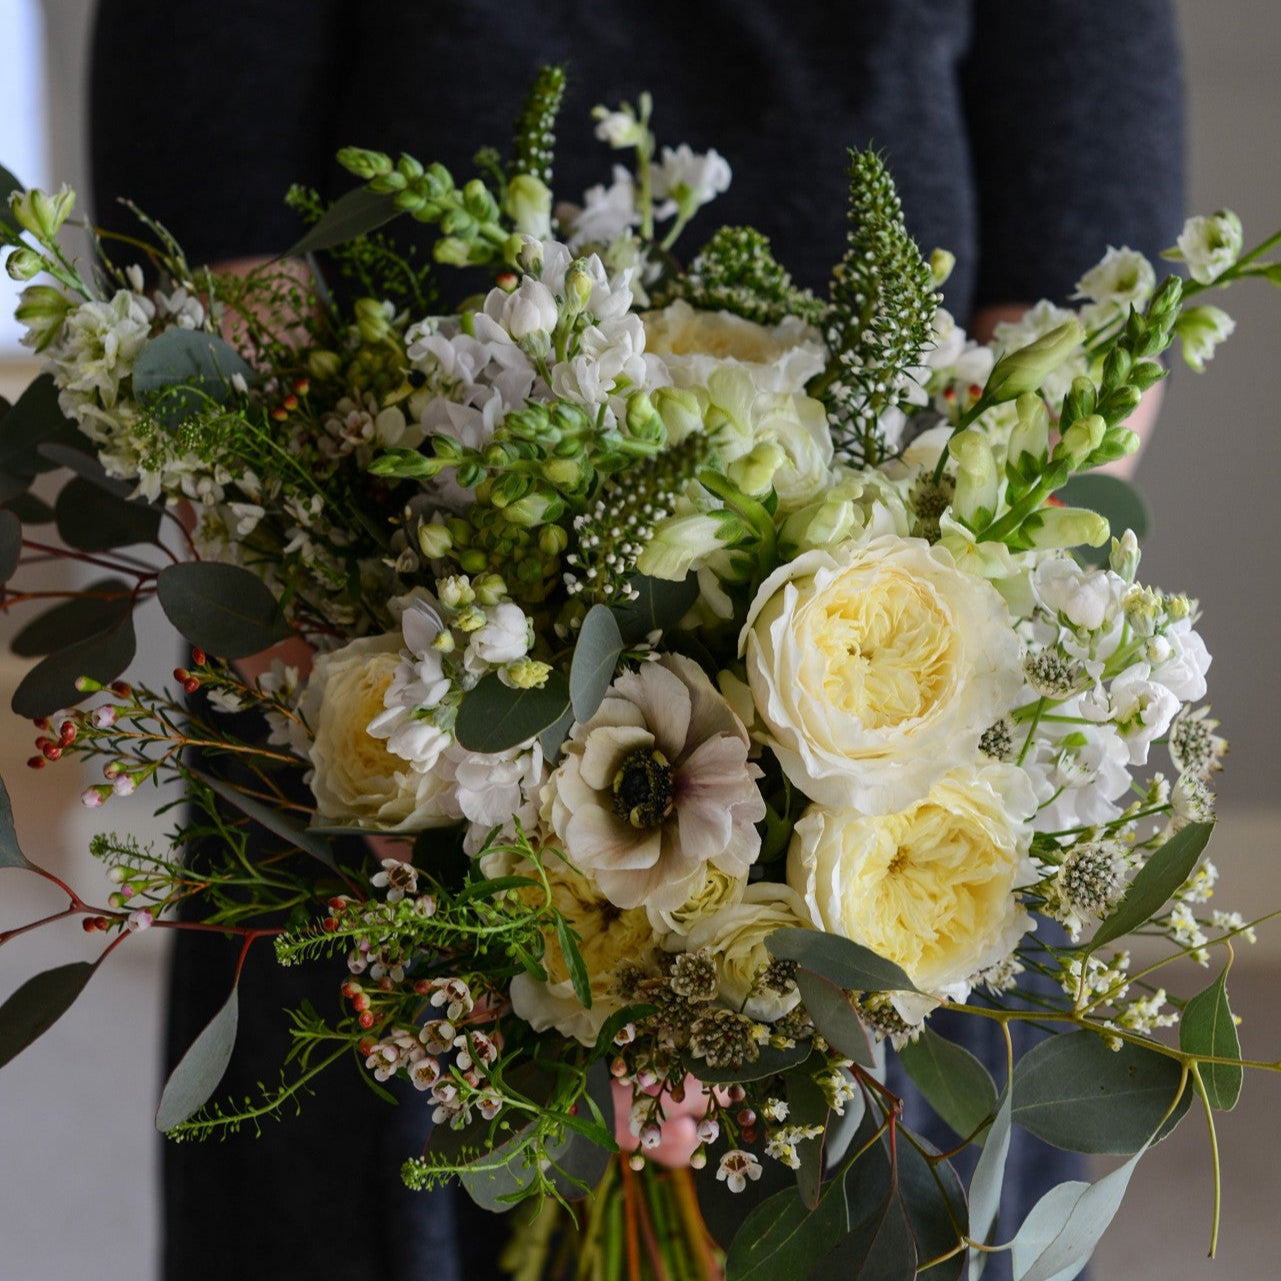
(931, 887)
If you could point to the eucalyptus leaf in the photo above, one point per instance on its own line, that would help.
(30, 510)
(179, 371)
(351, 215)
(86, 614)
(12, 486)
(808, 1105)
(34, 422)
(1062, 1230)
(552, 739)
(1119, 502)
(38, 1004)
(51, 684)
(835, 1017)
(955, 1084)
(10, 854)
(1158, 878)
(783, 1237)
(10, 544)
(771, 1062)
(847, 964)
(198, 1072)
(659, 604)
(492, 717)
(223, 609)
(91, 520)
(273, 820)
(986, 1185)
(1075, 1093)
(595, 656)
(1207, 1027)
(79, 459)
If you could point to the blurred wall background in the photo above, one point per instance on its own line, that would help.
(79, 1169)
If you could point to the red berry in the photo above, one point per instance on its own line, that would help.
(67, 734)
(89, 924)
(51, 751)
(36, 762)
(366, 1019)
(301, 386)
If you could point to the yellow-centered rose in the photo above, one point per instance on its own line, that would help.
(931, 887)
(876, 666)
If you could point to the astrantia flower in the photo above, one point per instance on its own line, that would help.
(657, 785)
(877, 666)
(930, 887)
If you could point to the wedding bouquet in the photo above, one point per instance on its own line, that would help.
(726, 679)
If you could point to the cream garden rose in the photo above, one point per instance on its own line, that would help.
(355, 779)
(930, 887)
(876, 666)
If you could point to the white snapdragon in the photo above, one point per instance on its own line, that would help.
(687, 179)
(1210, 245)
(1124, 278)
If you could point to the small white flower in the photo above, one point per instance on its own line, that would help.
(736, 1168)
(688, 179)
(1210, 245)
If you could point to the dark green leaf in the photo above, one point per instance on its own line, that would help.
(10, 544)
(881, 1248)
(1076, 1093)
(1112, 498)
(782, 1237)
(10, 854)
(196, 1077)
(35, 420)
(223, 609)
(30, 510)
(84, 615)
(935, 1203)
(492, 718)
(8, 185)
(574, 961)
(986, 1185)
(660, 604)
(78, 459)
(350, 216)
(1060, 1233)
(51, 684)
(180, 370)
(93, 521)
(955, 1084)
(835, 1017)
(1207, 1027)
(273, 820)
(595, 656)
(807, 1105)
(552, 739)
(38, 1004)
(847, 964)
(771, 1062)
(1158, 878)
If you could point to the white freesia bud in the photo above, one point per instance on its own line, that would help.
(1210, 245)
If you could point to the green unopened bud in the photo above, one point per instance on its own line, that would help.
(455, 591)
(444, 642)
(471, 618)
(458, 222)
(1081, 398)
(680, 411)
(42, 309)
(977, 479)
(552, 540)
(363, 163)
(24, 263)
(1030, 437)
(578, 288)
(1081, 439)
(452, 252)
(1143, 609)
(479, 201)
(509, 488)
(754, 472)
(42, 214)
(1124, 557)
(643, 421)
(526, 673)
(489, 588)
(323, 365)
(1027, 368)
(534, 510)
(529, 205)
(528, 256)
(373, 321)
(434, 541)
(1066, 527)
(570, 475)
(1179, 606)
(941, 264)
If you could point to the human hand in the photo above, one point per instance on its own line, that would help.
(678, 1137)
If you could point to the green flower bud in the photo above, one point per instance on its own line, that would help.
(552, 540)
(460, 223)
(1027, 368)
(569, 475)
(363, 163)
(324, 365)
(643, 421)
(452, 252)
(534, 510)
(455, 591)
(578, 288)
(434, 541)
(941, 264)
(42, 309)
(24, 263)
(977, 479)
(1081, 439)
(754, 472)
(489, 588)
(1124, 557)
(372, 321)
(526, 673)
(1066, 527)
(1178, 607)
(529, 205)
(41, 214)
(479, 201)
(1143, 609)
(680, 411)
(444, 642)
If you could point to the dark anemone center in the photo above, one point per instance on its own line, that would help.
(643, 794)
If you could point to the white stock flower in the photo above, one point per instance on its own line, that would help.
(1082, 597)
(525, 311)
(495, 790)
(1210, 245)
(877, 665)
(1122, 277)
(356, 780)
(418, 684)
(930, 887)
(606, 212)
(656, 785)
(735, 936)
(505, 636)
(687, 179)
(1201, 330)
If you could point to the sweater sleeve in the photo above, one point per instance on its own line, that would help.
(1075, 116)
(203, 115)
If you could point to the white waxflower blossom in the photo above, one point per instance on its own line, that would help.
(1210, 245)
(736, 1168)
